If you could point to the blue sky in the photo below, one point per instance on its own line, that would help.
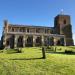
(35, 12)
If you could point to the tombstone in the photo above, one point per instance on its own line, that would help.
(55, 49)
(43, 52)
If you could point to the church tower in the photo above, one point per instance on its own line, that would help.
(62, 25)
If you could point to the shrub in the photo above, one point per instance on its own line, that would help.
(10, 51)
(1, 51)
(69, 51)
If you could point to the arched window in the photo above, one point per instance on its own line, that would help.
(28, 30)
(12, 29)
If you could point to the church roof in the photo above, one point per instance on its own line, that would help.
(18, 25)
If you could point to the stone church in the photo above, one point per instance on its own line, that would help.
(15, 35)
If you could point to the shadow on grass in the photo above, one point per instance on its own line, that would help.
(27, 58)
(73, 53)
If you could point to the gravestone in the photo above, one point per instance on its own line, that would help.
(43, 52)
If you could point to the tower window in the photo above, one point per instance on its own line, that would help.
(64, 21)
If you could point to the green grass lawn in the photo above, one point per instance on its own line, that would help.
(30, 62)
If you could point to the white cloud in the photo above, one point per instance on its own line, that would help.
(74, 38)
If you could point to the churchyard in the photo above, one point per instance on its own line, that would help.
(60, 60)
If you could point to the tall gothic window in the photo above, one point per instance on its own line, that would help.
(28, 30)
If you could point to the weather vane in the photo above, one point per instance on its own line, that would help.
(62, 12)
